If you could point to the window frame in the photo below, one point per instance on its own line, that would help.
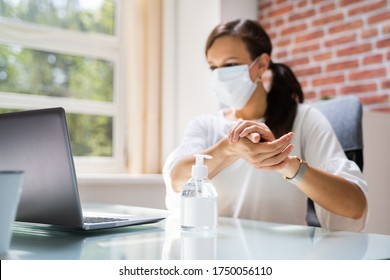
(107, 47)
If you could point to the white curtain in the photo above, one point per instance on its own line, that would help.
(143, 105)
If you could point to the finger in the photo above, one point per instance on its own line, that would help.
(254, 137)
(244, 128)
(273, 147)
(279, 143)
(264, 131)
(237, 130)
(279, 159)
(232, 131)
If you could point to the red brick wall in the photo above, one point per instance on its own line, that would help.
(334, 47)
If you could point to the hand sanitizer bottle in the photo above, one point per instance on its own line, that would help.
(199, 200)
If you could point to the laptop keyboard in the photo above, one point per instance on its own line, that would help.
(94, 220)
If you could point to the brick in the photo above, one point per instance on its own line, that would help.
(302, 4)
(388, 56)
(298, 61)
(386, 29)
(370, 88)
(263, 5)
(280, 11)
(267, 26)
(357, 24)
(367, 8)
(367, 74)
(279, 22)
(330, 19)
(382, 109)
(283, 43)
(342, 65)
(328, 80)
(383, 43)
(303, 83)
(307, 48)
(309, 95)
(294, 29)
(303, 15)
(378, 18)
(341, 40)
(344, 3)
(281, 54)
(322, 56)
(309, 36)
(327, 8)
(369, 33)
(373, 59)
(386, 84)
(355, 50)
(272, 35)
(367, 100)
(308, 71)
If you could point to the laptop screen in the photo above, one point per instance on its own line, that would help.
(37, 142)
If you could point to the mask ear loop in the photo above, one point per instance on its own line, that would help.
(258, 79)
(253, 62)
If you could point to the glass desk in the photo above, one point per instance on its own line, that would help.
(236, 240)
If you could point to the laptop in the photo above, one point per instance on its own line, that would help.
(37, 142)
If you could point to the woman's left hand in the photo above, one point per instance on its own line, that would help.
(252, 130)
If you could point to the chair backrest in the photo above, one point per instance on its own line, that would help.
(345, 115)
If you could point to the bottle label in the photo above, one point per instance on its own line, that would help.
(199, 212)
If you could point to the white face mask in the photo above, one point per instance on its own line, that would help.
(232, 86)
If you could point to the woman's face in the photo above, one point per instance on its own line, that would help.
(230, 51)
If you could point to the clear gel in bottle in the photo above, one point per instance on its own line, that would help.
(199, 200)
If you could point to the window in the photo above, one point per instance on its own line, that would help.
(66, 53)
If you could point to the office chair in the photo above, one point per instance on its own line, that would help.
(345, 116)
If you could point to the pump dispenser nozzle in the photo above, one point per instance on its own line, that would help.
(199, 170)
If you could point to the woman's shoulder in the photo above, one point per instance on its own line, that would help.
(308, 117)
(309, 111)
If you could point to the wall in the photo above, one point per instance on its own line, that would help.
(135, 190)
(376, 169)
(334, 47)
(185, 75)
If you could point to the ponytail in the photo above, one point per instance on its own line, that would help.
(282, 99)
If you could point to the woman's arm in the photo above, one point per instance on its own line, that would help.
(331, 192)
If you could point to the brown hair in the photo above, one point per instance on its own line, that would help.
(285, 92)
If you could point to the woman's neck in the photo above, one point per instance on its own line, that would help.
(255, 108)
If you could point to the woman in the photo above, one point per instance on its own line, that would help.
(270, 152)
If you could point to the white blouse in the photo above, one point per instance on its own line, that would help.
(248, 193)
